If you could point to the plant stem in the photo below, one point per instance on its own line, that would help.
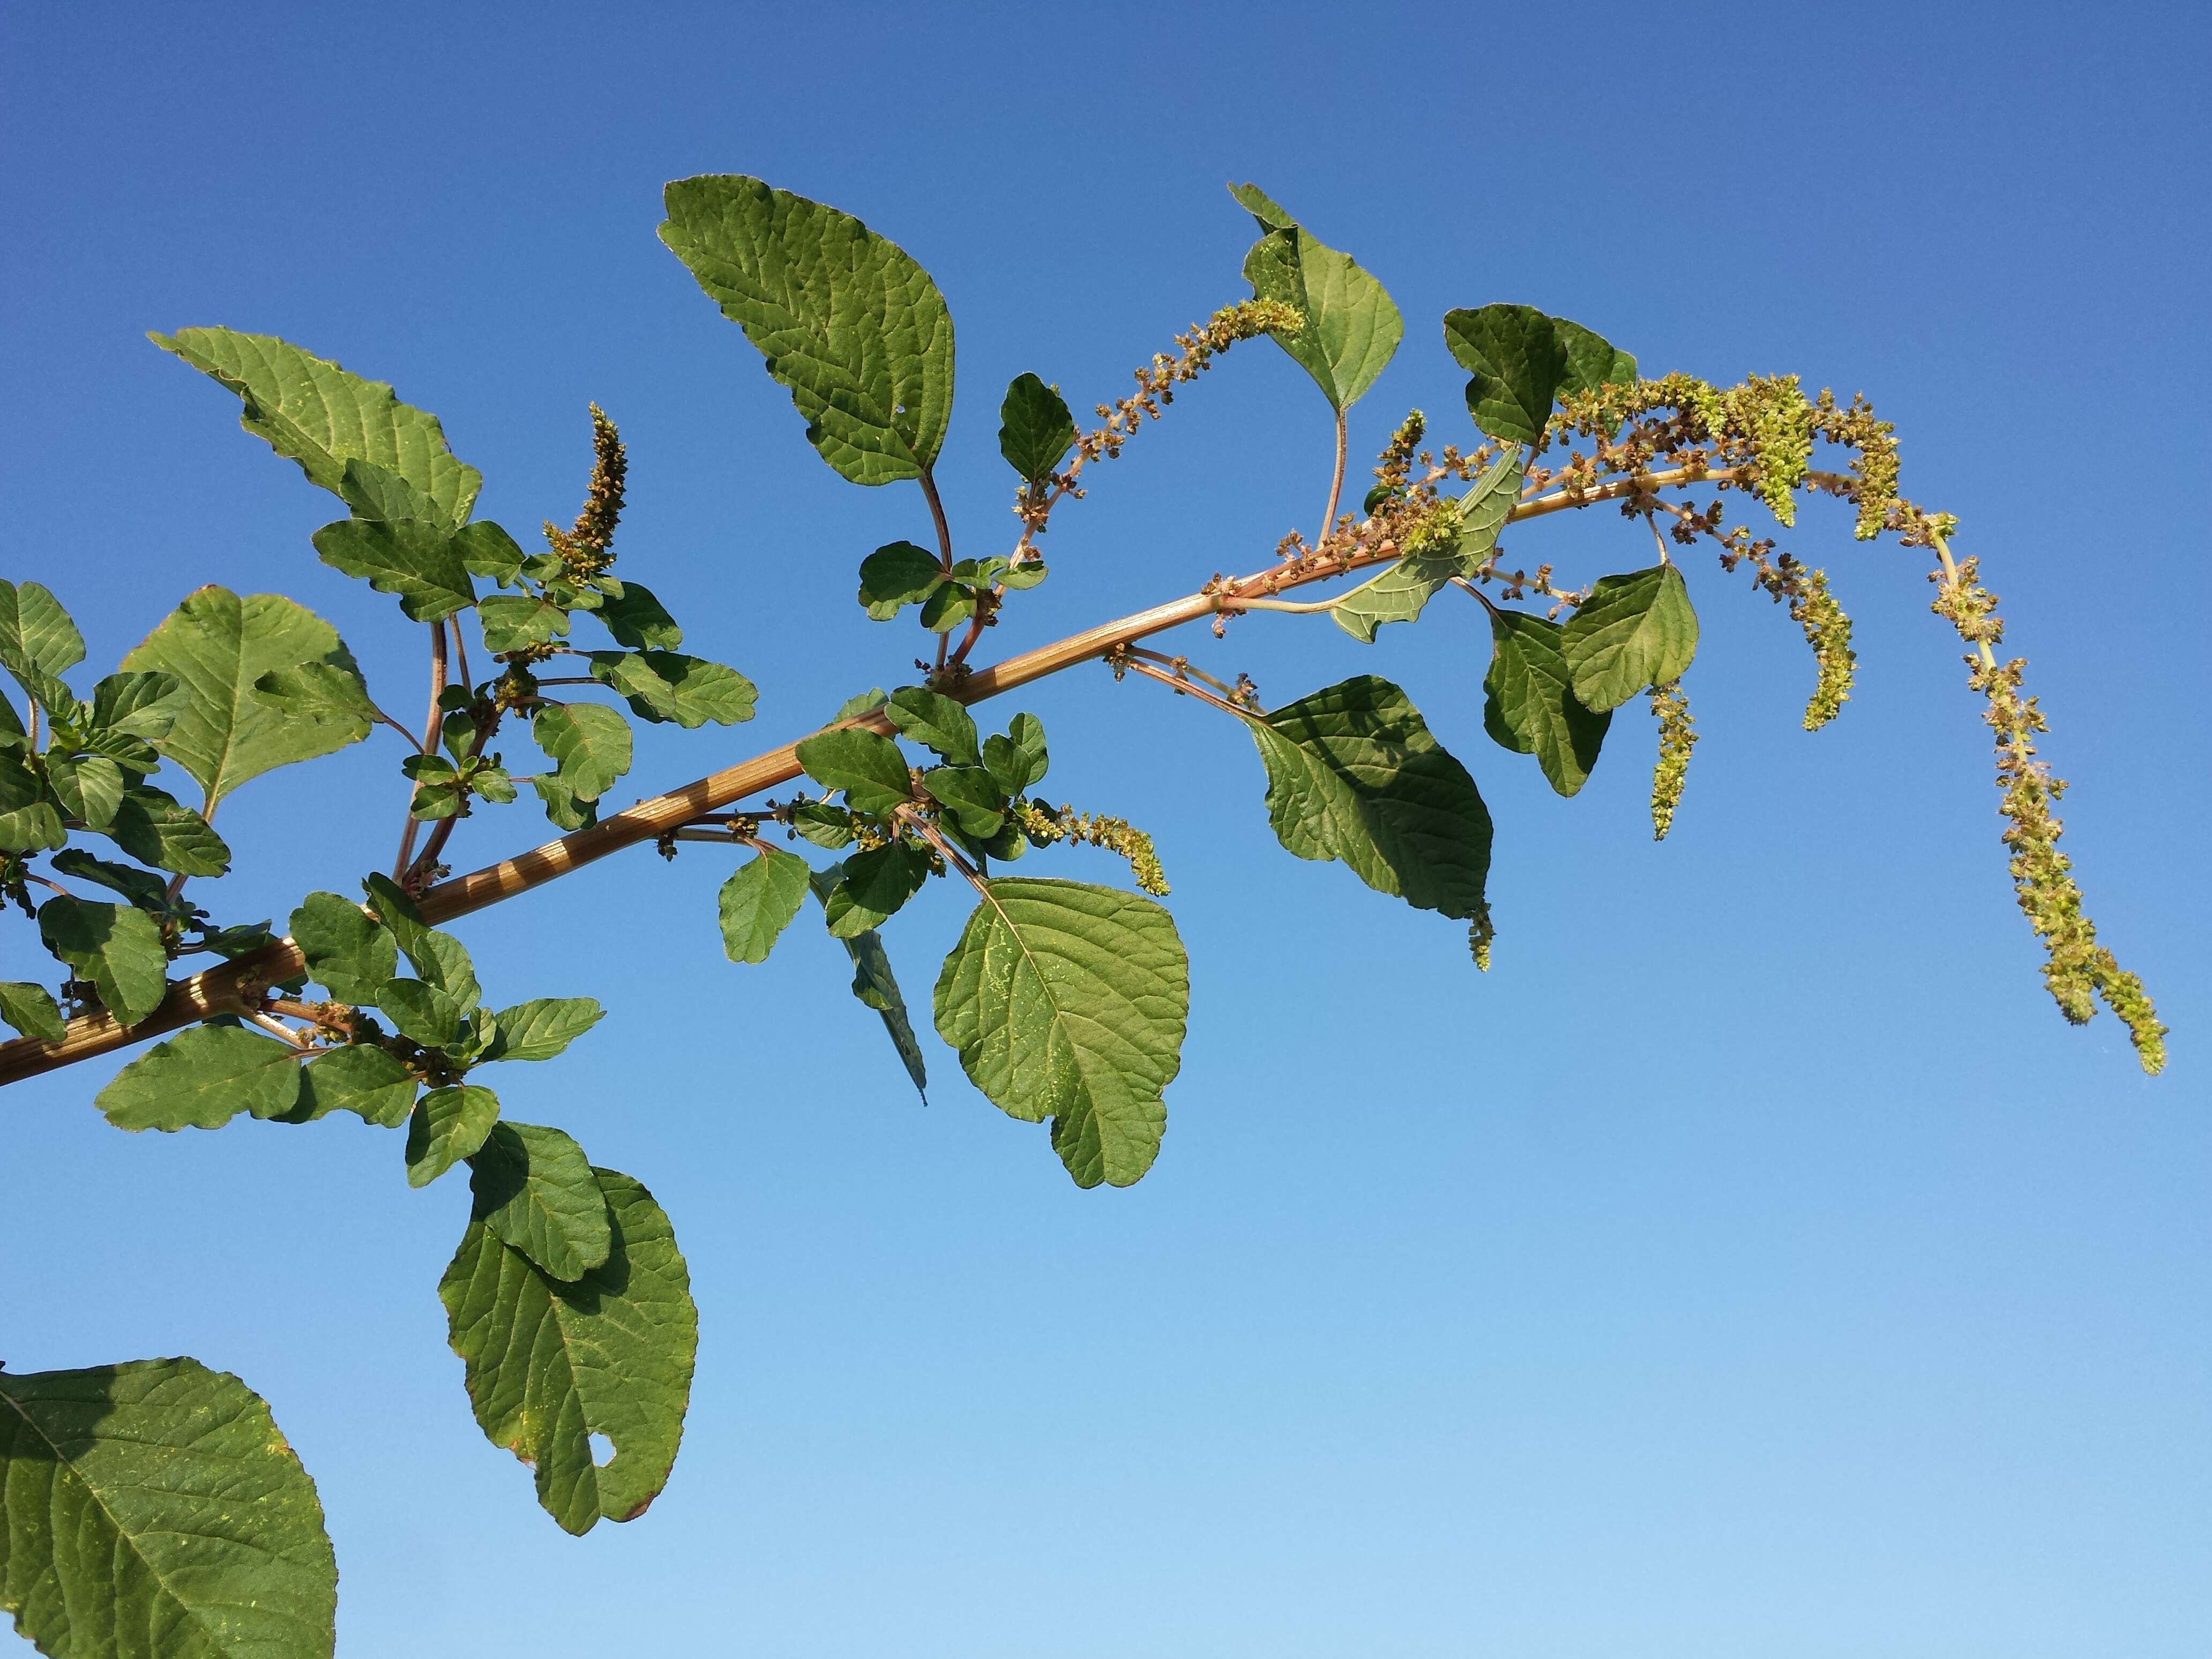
(428, 744)
(1335, 485)
(221, 990)
(1183, 688)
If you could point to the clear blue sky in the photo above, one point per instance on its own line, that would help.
(1752, 1263)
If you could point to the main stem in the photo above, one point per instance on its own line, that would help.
(227, 989)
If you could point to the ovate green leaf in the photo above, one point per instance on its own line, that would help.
(29, 820)
(37, 638)
(360, 1078)
(847, 322)
(152, 1510)
(590, 744)
(140, 705)
(640, 620)
(549, 1364)
(759, 901)
(534, 1190)
(448, 1125)
(877, 884)
(422, 1012)
(1632, 631)
(1354, 775)
(514, 622)
(1352, 328)
(935, 721)
(1034, 428)
(202, 1079)
(90, 788)
(1530, 705)
(1518, 363)
(219, 646)
(32, 1010)
(1592, 359)
(415, 559)
(543, 1027)
(117, 949)
(349, 952)
(154, 829)
(866, 765)
(1068, 1002)
(665, 685)
(897, 575)
(317, 414)
(142, 887)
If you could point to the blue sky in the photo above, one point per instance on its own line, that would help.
(1753, 1262)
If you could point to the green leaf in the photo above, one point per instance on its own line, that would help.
(898, 574)
(414, 558)
(349, 952)
(1034, 428)
(864, 703)
(447, 1125)
(639, 620)
(142, 705)
(154, 829)
(874, 984)
(591, 746)
(1399, 594)
(142, 888)
(515, 621)
(549, 1364)
(1068, 1001)
(877, 885)
(90, 788)
(934, 720)
(116, 948)
(443, 961)
(319, 693)
(422, 1012)
(534, 1190)
(359, 1078)
(219, 645)
(313, 412)
(543, 1027)
(37, 640)
(1518, 363)
(1271, 214)
(1027, 733)
(563, 809)
(662, 686)
(32, 1010)
(971, 794)
(1592, 359)
(822, 823)
(759, 901)
(29, 820)
(866, 765)
(203, 1078)
(394, 909)
(486, 550)
(847, 322)
(947, 607)
(1352, 328)
(1531, 707)
(1633, 631)
(1354, 775)
(152, 1510)
(1402, 591)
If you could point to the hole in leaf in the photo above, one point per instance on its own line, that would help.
(603, 1450)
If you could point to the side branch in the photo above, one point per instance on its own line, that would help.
(229, 988)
